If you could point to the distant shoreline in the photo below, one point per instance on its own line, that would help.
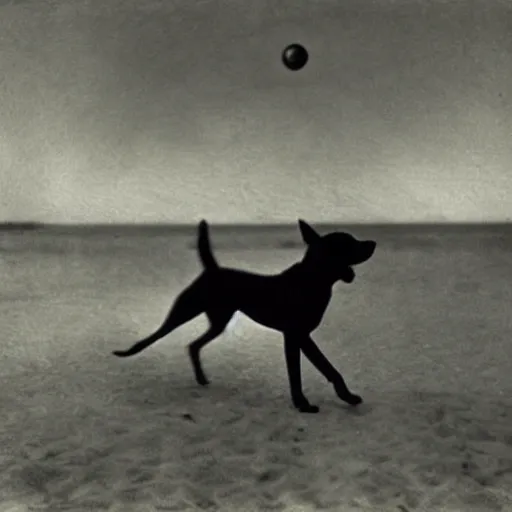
(391, 228)
(47, 237)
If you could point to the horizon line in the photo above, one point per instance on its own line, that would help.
(35, 225)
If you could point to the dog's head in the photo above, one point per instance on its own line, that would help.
(336, 253)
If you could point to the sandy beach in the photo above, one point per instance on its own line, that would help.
(423, 335)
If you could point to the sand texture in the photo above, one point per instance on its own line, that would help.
(424, 335)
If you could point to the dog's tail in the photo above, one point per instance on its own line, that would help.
(204, 248)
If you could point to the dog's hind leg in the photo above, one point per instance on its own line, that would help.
(292, 356)
(322, 364)
(218, 319)
(187, 306)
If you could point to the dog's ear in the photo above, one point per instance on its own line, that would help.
(309, 235)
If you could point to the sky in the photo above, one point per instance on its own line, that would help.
(132, 111)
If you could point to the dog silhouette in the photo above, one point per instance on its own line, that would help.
(292, 302)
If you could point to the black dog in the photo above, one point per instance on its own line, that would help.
(292, 302)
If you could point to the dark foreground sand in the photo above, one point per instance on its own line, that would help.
(424, 334)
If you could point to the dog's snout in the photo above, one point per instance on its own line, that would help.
(370, 246)
(365, 251)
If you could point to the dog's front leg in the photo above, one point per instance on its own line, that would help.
(322, 364)
(292, 355)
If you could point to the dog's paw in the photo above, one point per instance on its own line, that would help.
(343, 393)
(306, 407)
(353, 399)
(203, 381)
(309, 409)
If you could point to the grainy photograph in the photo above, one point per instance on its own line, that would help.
(255, 256)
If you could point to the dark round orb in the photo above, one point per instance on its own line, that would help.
(295, 57)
